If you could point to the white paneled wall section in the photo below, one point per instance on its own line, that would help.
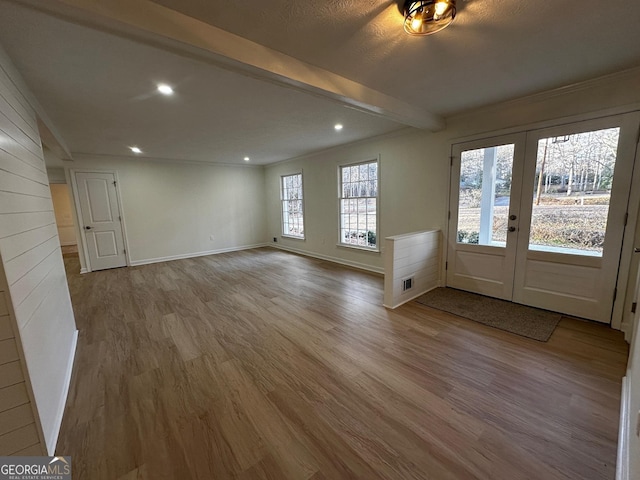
(31, 256)
(19, 433)
(412, 260)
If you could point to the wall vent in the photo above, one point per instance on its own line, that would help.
(407, 284)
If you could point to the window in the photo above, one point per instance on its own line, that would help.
(292, 211)
(485, 193)
(572, 191)
(358, 205)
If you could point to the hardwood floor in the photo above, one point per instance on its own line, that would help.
(266, 365)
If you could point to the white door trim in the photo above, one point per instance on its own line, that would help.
(82, 251)
(628, 260)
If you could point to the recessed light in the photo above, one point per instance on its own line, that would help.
(338, 127)
(135, 150)
(165, 89)
(246, 159)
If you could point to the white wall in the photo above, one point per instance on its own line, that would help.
(55, 175)
(19, 432)
(172, 209)
(628, 464)
(414, 172)
(633, 385)
(415, 166)
(31, 256)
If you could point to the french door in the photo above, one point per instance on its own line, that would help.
(538, 217)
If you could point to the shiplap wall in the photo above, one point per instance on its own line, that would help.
(19, 433)
(31, 255)
(413, 255)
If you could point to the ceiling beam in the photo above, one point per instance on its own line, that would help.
(150, 22)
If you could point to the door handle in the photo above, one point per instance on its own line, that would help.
(87, 227)
(636, 250)
(511, 229)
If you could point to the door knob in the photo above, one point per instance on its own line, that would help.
(511, 229)
(87, 227)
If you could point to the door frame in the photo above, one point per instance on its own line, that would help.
(633, 207)
(622, 317)
(85, 263)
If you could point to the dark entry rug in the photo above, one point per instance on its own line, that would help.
(515, 318)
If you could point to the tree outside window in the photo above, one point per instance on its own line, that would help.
(292, 206)
(358, 205)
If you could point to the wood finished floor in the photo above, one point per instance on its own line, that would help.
(266, 365)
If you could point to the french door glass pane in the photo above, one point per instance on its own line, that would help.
(572, 189)
(485, 189)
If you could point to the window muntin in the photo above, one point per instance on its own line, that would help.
(292, 205)
(358, 205)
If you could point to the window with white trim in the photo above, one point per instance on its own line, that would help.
(292, 206)
(359, 205)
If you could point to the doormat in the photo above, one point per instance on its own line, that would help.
(512, 317)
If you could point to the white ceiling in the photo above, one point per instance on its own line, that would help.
(97, 85)
(495, 49)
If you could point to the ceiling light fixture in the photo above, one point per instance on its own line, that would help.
(428, 16)
(135, 150)
(338, 127)
(246, 159)
(165, 89)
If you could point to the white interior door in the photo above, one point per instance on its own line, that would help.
(101, 220)
(539, 218)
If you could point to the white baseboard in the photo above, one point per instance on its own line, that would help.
(83, 270)
(348, 263)
(169, 258)
(52, 439)
(412, 298)
(624, 431)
